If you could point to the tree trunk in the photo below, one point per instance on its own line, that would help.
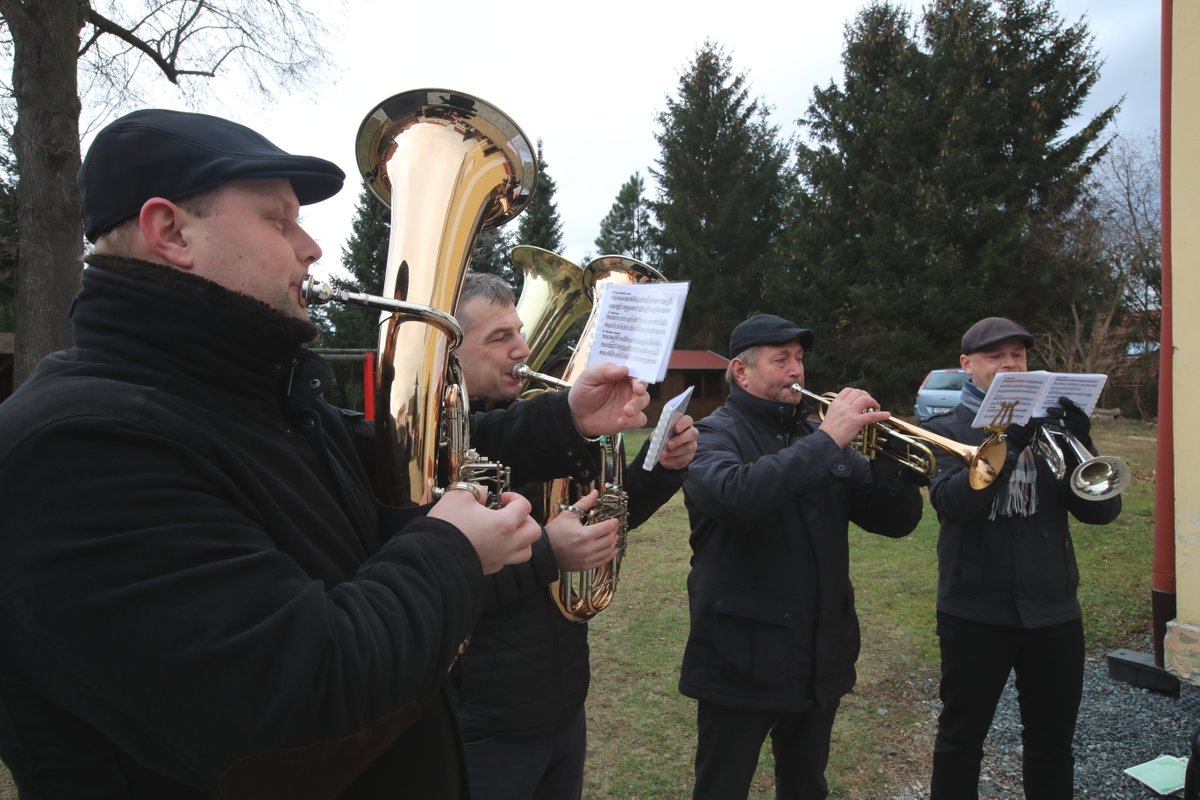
(45, 35)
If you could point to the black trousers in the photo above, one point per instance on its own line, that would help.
(976, 661)
(730, 740)
(544, 767)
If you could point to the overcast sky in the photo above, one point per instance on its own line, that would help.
(589, 80)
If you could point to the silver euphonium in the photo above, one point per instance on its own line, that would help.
(449, 165)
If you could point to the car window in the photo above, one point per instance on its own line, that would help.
(946, 380)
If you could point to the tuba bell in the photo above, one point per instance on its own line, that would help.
(449, 165)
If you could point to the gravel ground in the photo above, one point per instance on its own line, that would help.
(1119, 726)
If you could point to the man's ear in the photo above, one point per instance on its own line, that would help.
(737, 368)
(161, 223)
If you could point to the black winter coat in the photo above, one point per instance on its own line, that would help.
(198, 597)
(770, 499)
(1016, 571)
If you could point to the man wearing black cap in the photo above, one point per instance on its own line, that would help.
(523, 681)
(200, 595)
(770, 495)
(1007, 581)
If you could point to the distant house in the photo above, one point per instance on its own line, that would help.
(703, 369)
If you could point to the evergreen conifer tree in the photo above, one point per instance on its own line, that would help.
(722, 175)
(940, 185)
(539, 224)
(492, 254)
(625, 230)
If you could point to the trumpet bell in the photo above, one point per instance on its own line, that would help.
(1100, 478)
(1090, 477)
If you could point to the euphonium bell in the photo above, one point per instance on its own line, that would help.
(910, 446)
(552, 300)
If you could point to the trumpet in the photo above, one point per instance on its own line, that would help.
(910, 446)
(1091, 477)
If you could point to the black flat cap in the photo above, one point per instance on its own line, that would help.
(175, 154)
(992, 331)
(767, 329)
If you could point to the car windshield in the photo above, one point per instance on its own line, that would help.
(946, 380)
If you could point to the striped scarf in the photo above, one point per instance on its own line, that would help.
(1019, 497)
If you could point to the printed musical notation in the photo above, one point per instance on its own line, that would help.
(1029, 394)
(636, 325)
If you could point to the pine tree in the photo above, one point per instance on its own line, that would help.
(492, 254)
(625, 230)
(539, 224)
(940, 185)
(722, 175)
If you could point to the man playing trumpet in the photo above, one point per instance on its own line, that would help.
(770, 495)
(1007, 582)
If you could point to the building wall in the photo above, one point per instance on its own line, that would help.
(1181, 647)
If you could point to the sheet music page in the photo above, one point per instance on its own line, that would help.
(1019, 391)
(1029, 394)
(636, 325)
(673, 409)
(1082, 388)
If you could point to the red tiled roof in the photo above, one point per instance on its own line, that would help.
(696, 359)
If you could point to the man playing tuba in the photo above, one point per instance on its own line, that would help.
(201, 596)
(524, 679)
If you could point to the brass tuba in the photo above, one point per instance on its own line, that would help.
(449, 165)
(546, 316)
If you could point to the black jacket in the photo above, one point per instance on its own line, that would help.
(197, 595)
(1017, 571)
(770, 499)
(527, 669)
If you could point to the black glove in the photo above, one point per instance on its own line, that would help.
(890, 473)
(1020, 436)
(1067, 414)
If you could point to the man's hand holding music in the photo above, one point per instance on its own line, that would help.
(604, 400)
(680, 449)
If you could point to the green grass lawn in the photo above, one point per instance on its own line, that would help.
(642, 732)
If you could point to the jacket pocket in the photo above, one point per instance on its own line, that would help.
(759, 639)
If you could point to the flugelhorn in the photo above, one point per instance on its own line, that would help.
(1090, 477)
(910, 446)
